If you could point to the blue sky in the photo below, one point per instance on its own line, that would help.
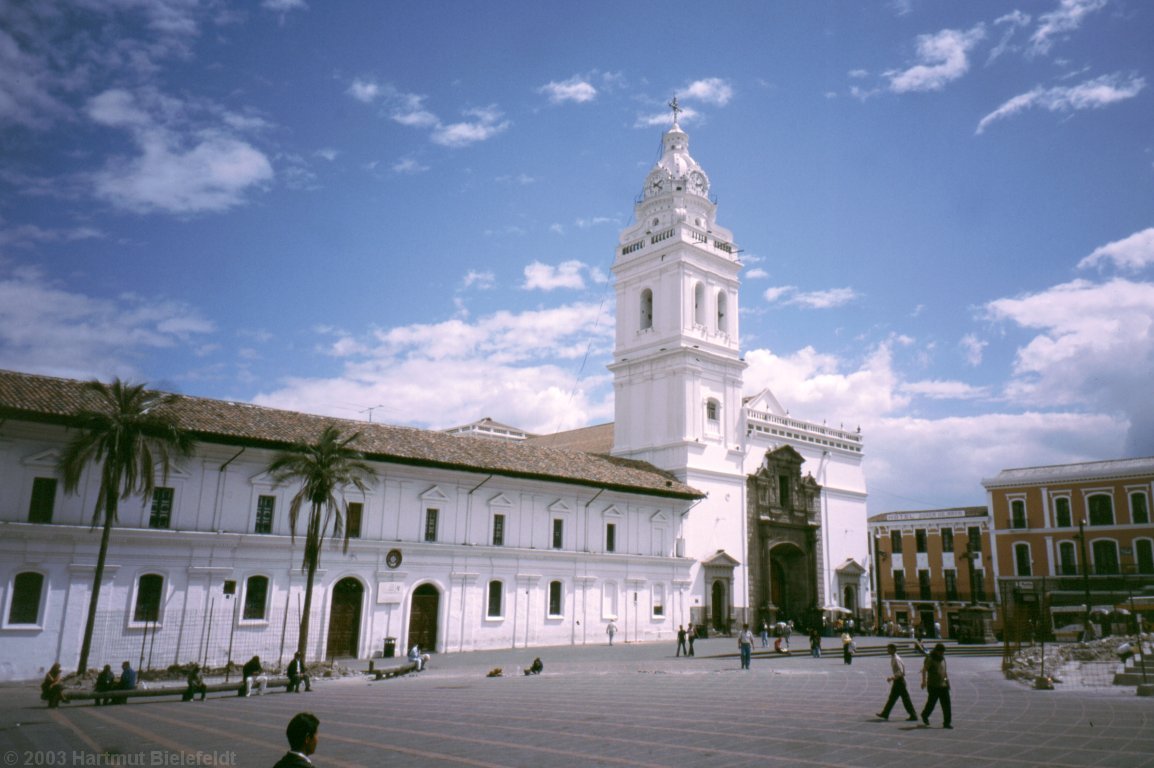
(410, 210)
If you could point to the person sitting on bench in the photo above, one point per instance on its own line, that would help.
(254, 676)
(195, 684)
(418, 658)
(52, 688)
(296, 675)
(127, 682)
(105, 681)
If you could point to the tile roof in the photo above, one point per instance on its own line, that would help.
(595, 439)
(53, 400)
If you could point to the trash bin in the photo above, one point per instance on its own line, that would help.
(390, 647)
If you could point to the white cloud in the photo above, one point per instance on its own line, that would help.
(789, 295)
(711, 90)
(179, 168)
(480, 280)
(1067, 18)
(575, 89)
(944, 390)
(48, 328)
(1012, 22)
(1131, 253)
(755, 273)
(518, 368)
(972, 349)
(488, 123)
(1093, 348)
(567, 274)
(283, 6)
(942, 58)
(408, 165)
(665, 119)
(364, 90)
(1092, 94)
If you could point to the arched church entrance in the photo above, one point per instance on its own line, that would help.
(426, 605)
(345, 618)
(790, 582)
(849, 599)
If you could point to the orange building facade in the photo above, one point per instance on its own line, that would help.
(930, 566)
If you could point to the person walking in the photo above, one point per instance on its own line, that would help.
(611, 630)
(936, 682)
(745, 645)
(764, 634)
(814, 644)
(847, 647)
(692, 632)
(898, 689)
(681, 647)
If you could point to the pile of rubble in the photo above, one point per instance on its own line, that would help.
(1062, 660)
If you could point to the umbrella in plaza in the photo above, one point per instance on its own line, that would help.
(836, 609)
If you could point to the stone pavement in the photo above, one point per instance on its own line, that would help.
(629, 705)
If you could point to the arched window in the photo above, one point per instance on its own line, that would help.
(1062, 517)
(27, 593)
(1144, 555)
(1022, 559)
(646, 309)
(698, 304)
(1067, 559)
(256, 598)
(556, 599)
(1139, 508)
(148, 594)
(1101, 509)
(712, 411)
(1105, 557)
(495, 608)
(722, 307)
(1017, 513)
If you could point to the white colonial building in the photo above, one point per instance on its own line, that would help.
(696, 505)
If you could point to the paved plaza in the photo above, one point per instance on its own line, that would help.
(629, 705)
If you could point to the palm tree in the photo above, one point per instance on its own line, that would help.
(128, 433)
(323, 469)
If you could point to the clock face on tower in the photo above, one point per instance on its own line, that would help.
(655, 184)
(698, 183)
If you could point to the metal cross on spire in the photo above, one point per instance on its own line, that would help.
(676, 109)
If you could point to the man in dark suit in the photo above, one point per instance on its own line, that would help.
(302, 739)
(296, 675)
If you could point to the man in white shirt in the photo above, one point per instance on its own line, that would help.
(897, 681)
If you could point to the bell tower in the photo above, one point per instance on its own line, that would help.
(676, 364)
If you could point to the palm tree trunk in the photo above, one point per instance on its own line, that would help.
(97, 580)
(312, 555)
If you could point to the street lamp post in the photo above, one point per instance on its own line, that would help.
(1087, 634)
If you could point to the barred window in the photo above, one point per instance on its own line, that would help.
(265, 505)
(148, 594)
(161, 516)
(256, 598)
(43, 500)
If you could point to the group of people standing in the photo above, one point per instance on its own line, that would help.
(935, 681)
(684, 635)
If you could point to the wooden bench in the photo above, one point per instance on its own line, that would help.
(118, 697)
(395, 670)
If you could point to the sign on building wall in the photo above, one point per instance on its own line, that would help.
(390, 592)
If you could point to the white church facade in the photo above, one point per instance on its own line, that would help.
(696, 505)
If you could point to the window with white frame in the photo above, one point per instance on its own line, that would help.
(1067, 559)
(558, 533)
(1062, 516)
(722, 319)
(658, 600)
(149, 593)
(1139, 508)
(498, 530)
(255, 599)
(1105, 554)
(1101, 508)
(699, 304)
(26, 598)
(556, 599)
(431, 515)
(1022, 560)
(354, 516)
(495, 608)
(43, 502)
(646, 309)
(1144, 555)
(1018, 513)
(611, 537)
(160, 515)
(265, 507)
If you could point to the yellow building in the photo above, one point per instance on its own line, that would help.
(931, 566)
(1072, 542)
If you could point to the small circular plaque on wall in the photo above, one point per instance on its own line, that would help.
(393, 559)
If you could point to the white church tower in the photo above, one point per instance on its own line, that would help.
(678, 376)
(677, 365)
